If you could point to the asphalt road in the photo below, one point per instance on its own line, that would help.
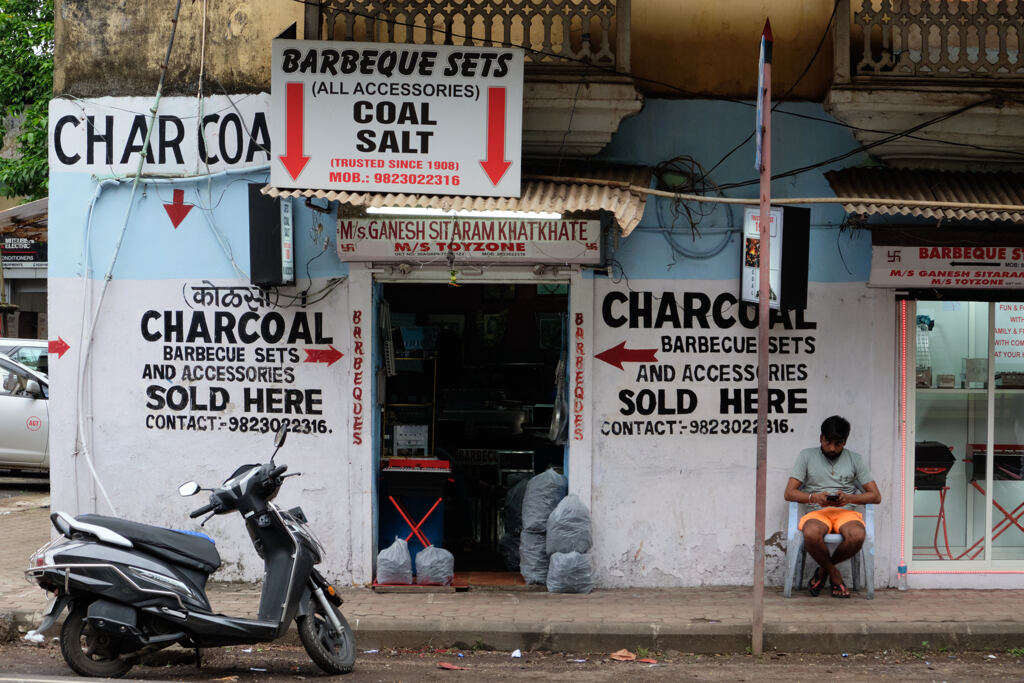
(265, 664)
(31, 487)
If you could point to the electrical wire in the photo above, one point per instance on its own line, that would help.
(807, 69)
(652, 81)
(84, 361)
(865, 147)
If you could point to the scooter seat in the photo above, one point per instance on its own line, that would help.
(179, 547)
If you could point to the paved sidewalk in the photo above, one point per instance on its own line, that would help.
(715, 619)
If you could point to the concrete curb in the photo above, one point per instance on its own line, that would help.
(701, 638)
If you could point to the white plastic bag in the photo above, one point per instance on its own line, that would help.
(570, 573)
(394, 564)
(569, 527)
(533, 557)
(435, 566)
(543, 493)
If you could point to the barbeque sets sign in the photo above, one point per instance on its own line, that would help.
(421, 240)
(224, 360)
(958, 267)
(695, 372)
(377, 117)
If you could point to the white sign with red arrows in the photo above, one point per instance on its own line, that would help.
(383, 117)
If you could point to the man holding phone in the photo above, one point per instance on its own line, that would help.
(826, 479)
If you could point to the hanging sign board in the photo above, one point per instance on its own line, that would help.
(966, 267)
(750, 279)
(789, 238)
(468, 240)
(400, 118)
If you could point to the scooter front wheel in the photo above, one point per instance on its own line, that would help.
(90, 652)
(333, 651)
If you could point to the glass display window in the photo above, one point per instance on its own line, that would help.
(963, 424)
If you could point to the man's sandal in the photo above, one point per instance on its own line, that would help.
(839, 590)
(817, 583)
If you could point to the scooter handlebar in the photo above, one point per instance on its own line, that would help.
(201, 511)
(277, 471)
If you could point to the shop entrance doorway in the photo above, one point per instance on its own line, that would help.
(470, 379)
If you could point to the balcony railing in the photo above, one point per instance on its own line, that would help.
(929, 39)
(554, 32)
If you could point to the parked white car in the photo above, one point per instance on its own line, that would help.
(24, 417)
(33, 353)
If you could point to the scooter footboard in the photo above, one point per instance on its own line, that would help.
(214, 630)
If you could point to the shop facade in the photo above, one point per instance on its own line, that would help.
(23, 242)
(658, 352)
(958, 306)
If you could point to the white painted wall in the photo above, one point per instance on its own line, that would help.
(139, 464)
(678, 509)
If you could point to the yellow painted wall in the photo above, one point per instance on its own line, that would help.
(109, 47)
(703, 47)
(710, 47)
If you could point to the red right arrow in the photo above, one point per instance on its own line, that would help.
(617, 355)
(293, 159)
(329, 355)
(58, 347)
(495, 164)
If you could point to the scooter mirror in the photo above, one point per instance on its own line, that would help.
(279, 438)
(189, 488)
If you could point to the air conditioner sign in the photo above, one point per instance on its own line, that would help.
(379, 117)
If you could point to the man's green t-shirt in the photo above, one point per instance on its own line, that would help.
(819, 474)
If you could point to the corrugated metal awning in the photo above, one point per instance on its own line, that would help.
(26, 220)
(604, 188)
(959, 195)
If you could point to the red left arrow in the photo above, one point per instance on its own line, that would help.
(58, 347)
(293, 159)
(495, 164)
(177, 209)
(617, 355)
(330, 355)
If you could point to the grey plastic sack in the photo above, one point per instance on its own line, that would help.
(569, 527)
(508, 548)
(543, 493)
(434, 566)
(570, 573)
(512, 513)
(394, 564)
(533, 557)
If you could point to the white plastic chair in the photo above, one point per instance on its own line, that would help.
(796, 557)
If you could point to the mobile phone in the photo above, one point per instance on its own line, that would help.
(832, 498)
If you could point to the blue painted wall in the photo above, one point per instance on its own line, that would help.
(663, 245)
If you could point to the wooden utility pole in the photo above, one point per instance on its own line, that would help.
(764, 157)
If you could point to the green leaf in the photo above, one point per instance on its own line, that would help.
(26, 86)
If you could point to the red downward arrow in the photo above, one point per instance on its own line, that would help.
(293, 159)
(329, 355)
(617, 355)
(178, 209)
(60, 346)
(495, 164)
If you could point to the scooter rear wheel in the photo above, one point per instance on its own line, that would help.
(332, 651)
(89, 652)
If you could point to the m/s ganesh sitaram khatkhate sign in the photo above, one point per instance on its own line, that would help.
(492, 240)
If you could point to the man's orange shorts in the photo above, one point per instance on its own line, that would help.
(833, 518)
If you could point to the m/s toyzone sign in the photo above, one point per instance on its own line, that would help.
(488, 240)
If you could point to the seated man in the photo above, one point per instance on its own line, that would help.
(828, 476)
